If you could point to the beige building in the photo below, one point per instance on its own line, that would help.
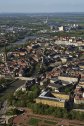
(57, 99)
(61, 95)
(50, 102)
(68, 79)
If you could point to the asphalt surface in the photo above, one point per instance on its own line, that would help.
(11, 89)
(4, 108)
(4, 95)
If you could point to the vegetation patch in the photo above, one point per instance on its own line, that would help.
(14, 112)
(34, 121)
(50, 122)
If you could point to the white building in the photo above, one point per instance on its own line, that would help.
(61, 28)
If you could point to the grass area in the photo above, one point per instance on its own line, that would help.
(50, 122)
(34, 121)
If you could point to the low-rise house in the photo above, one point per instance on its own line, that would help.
(81, 83)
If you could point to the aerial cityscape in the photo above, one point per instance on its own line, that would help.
(42, 63)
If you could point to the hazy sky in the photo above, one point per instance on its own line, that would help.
(41, 6)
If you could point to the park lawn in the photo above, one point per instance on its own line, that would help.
(49, 122)
(34, 121)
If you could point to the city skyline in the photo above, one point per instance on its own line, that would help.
(41, 6)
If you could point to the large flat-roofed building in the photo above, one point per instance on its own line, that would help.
(50, 102)
(61, 95)
(52, 99)
(68, 79)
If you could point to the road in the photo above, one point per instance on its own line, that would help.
(7, 92)
(2, 112)
(4, 108)
(4, 96)
(11, 89)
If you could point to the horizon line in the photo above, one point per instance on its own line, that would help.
(37, 12)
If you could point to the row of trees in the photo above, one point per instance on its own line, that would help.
(22, 99)
(56, 112)
(69, 34)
